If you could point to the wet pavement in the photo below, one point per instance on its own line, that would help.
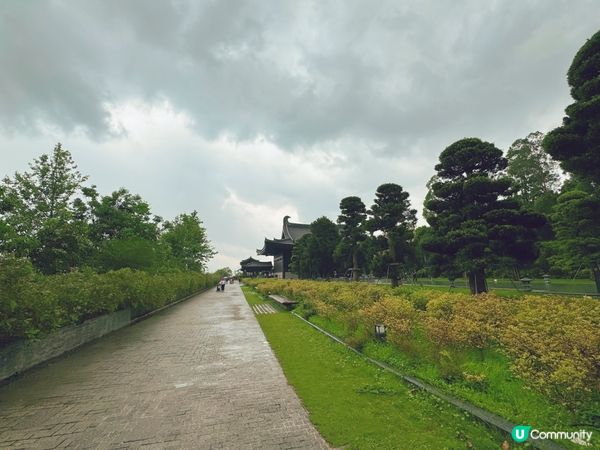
(198, 375)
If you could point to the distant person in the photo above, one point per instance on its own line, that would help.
(222, 282)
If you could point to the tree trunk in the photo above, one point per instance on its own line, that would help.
(394, 278)
(516, 273)
(355, 265)
(596, 272)
(477, 283)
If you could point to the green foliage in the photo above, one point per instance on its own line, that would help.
(355, 405)
(555, 345)
(121, 215)
(132, 252)
(186, 237)
(392, 215)
(224, 272)
(475, 223)
(552, 343)
(575, 221)
(50, 217)
(535, 176)
(576, 144)
(37, 214)
(32, 304)
(353, 215)
(313, 254)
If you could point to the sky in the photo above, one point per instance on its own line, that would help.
(247, 111)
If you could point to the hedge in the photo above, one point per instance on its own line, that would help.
(32, 304)
(552, 342)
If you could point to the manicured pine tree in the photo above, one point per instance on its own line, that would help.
(576, 144)
(392, 215)
(352, 221)
(475, 224)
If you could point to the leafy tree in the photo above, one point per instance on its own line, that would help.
(129, 252)
(576, 144)
(352, 221)
(375, 253)
(324, 238)
(535, 176)
(38, 216)
(224, 272)
(301, 262)
(313, 253)
(396, 220)
(121, 215)
(475, 224)
(186, 237)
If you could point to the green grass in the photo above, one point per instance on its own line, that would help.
(577, 286)
(500, 393)
(356, 405)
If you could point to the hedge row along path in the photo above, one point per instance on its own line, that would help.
(198, 375)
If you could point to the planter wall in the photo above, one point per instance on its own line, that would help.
(22, 355)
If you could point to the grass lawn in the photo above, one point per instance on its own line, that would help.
(577, 286)
(356, 405)
(501, 392)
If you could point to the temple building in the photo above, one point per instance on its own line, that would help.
(254, 267)
(281, 249)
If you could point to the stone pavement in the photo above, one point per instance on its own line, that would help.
(198, 375)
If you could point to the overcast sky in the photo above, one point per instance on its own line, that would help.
(247, 111)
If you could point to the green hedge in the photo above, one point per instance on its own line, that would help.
(32, 304)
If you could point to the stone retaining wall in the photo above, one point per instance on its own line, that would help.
(23, 355)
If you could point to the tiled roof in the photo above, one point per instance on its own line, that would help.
(294, 231)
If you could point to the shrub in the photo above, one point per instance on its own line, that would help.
(478, 322)
(32, 304)
(554, 344)
(397, 314)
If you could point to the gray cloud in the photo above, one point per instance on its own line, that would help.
(345, 96)
(300, 73)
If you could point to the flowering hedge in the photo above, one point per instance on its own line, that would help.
(553, 342)
(32, 304)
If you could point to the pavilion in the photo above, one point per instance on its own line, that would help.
(254, 267)
(281, 249)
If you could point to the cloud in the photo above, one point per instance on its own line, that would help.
(298, 73)
(251, 110)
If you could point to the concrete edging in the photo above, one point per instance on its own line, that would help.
(23, 355)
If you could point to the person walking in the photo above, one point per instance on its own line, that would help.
(222, 282)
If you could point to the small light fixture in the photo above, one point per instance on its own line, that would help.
(380, 331)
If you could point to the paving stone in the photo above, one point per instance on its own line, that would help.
(198, 375)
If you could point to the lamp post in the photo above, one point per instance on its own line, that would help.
(380, 331)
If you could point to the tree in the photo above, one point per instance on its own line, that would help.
(352, 221)
(130, 252)
(576, 144)
(575, 221)
(121, 215)
(313, 253)
(224, 272)
(535, 176)
(301, 262)
(186, 237)
(475, 224)
(38, 216)
(393, 217)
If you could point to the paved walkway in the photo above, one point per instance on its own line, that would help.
(199, 375)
